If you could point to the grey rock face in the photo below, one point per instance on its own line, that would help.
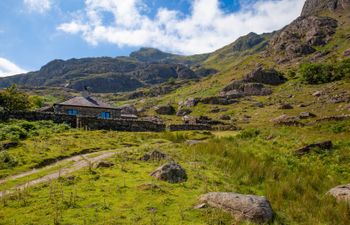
(265, 76)
(341, 192)
(129, 110)
(243, 207)
(301, 36)
(247, 89)
(170, 172)
(313, 7)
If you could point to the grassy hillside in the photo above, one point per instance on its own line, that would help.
(255, 161)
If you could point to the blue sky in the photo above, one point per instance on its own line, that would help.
(34, 32)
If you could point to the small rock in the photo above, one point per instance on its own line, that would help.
(193, 142)
(341, 192)
(285, 106)
(243, 207)
(154, 156)
(287, 120)
(183, 112)
(225, 117)
(325, 145)
(306, 115)
(317, 93)
(259, 105)
(104, 164)
(347, 53)
(170, 172)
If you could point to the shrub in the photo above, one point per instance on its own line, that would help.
(7, 161)
(248, 134)
(13, 100)
(320, 73)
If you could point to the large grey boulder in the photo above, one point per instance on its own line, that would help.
(170, 172)
(243, 207)
(341, 192)
(165, 110)
(265, 76)
(246, 89)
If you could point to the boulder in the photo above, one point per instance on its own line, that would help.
(265, 76)
(246, 89)
(183, 112)
(153, 156)
(341, 192)
(218, 100)
(287, 120)
(306, 115)
(225, 117)
(165, 110)
(347, 53)
(252, 208)
(285, 106)
(170, 172)
(317, 94)
(104, 164)
(323, 146)
(190, 102)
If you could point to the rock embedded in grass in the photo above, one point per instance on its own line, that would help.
(104, 164)
(153, 156)
(170, 172)
(341, 192)
(243, 207)
(285, 106)
(323, 146)
(306, 115)
(183, 112)
(165, 110)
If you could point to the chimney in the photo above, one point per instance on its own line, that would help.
(86, 93)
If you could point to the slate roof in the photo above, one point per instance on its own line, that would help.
(86, 102)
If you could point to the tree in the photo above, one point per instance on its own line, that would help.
(13, 100)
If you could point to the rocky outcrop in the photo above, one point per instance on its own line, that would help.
(265, 76)
(241, 88)
(287, 120)
(314, 7)
(306, 115)
(341, 192)
(128, 110)
(190, 102)
(165, 110)
(170, 172)
(323, 146)
(243, 207)
(219, 100)
(301, 36)
(153, 156)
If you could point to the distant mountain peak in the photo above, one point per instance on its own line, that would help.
(146, 54)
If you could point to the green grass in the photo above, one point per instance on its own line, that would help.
(254, 161)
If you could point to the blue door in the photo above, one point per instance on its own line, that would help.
(105, 115)
(72, 112)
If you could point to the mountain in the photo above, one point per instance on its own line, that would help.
(143, 68)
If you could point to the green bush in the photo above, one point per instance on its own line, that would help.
(7, 161)
(248, 134)
(320, 73)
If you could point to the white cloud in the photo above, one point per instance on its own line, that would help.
(40, 6)
(8, 68)
(207, 28)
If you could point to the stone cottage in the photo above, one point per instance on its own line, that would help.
(87, 106)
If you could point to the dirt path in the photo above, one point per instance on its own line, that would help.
(80, 162)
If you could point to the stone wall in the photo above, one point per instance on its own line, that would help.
(87, 111)
(180, 127)
(90, 123)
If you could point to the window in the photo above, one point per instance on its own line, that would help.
(105, 115)
(72, 112)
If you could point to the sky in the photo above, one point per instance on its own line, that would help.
(34, 32)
